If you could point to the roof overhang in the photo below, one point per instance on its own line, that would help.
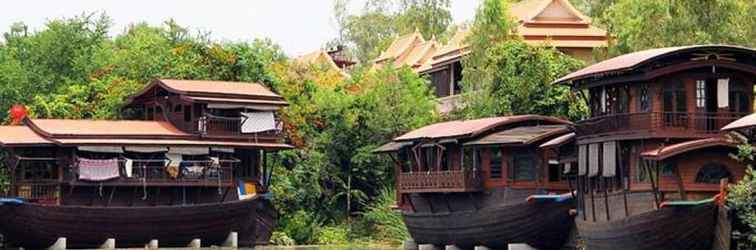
(525, 135)
(748, 121)
(665, 152)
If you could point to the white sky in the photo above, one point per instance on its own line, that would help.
(298, 26)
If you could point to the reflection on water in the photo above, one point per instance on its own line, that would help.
(339, 247)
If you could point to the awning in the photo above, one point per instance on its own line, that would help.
(520, 135)
(665, 152)
(102, 149)
(146, 149)
(559, 141)
(169, 143)
(189, 150)
(243, 106)
(748, 121)
(391, 147)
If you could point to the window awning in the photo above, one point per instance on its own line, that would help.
(520, 135)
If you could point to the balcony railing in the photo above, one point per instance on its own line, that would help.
(155, 173)
(231, 126)
(440, 181)
(680, 123)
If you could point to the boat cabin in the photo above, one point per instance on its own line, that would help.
(194, 142)
(654, 131)
(210, 108)
(458, 158)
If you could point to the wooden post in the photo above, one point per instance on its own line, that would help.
(625, 187)
(606, 199)
(593, 200)
(680, 187)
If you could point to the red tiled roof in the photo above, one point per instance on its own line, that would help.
(471, 127)
(20, 136)
(635, 59)
(217, 87)
(171, 142)
(748, 121)
(665, 152)
(56, 127)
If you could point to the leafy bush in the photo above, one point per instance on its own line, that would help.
(281, 239)
(332, 235)
(301, 226)
(387, 222)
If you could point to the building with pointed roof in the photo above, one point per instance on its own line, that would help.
(554, 23)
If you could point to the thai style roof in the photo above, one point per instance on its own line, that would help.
(226, 91)
(20, 136)
(410, 50)
(471, 128)
(320, 57)
(525, 135)
(668, 151)
(748, 121)
(634, 60)
(559, 141)
(400, 46)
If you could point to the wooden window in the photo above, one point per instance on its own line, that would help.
(700, 93)
(524, 167)
(711, 173)
(445, 161)
(469, 158)
(496, 163)
(555, 174)
(739, 100)
(644, 98)
(667, 168)
(675, 104)
(187, 113)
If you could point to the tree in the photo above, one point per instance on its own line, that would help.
(503, 75)
(370, 32)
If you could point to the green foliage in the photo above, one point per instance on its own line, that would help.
(503, 75)
(641, 24)
(332, 235)
(742, 195)
(281, 239)
(301, 226)
(387, 223)
(371, 31)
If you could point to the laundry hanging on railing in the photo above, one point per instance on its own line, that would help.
(128, 167)
(256, 122)
(98, 170)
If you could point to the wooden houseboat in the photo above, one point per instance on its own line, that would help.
(651, 156)
(191, 164)
(486, 182)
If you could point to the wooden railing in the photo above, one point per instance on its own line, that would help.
(230, 126)
(155, 173)
(466, 180)
(42, 192)
(693, 124)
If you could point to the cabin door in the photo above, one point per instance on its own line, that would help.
(706, 104)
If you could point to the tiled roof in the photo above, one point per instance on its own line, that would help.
(62, 128)
(635, 59)
(521, 135)
(217, 87)
(20, 136)
(320, 57)
(748, 121)
(400, 46)
(467, 128)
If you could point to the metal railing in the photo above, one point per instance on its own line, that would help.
(694, 123)
(465, 180)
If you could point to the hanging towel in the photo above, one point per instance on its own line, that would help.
(98, 170)
(257, 122)
(129, 167)
(174, 160)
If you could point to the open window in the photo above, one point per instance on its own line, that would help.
(711, 173)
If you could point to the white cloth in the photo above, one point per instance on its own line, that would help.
(174, 160)
(223, 150)
(567, 167)
(582, 159)
(128, 166)
(610, 159)
(102, 149)
(593, 159)
(723, 93)
(189, 150)
(255, 122)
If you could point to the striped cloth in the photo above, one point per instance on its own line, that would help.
(98, 170)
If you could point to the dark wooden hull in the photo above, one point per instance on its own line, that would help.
(265, 222)
(544, 225)
(35, 226)
(667, 228)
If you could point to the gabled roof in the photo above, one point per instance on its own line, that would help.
(11, 136)
(213, 89)
(628, 62)
(320, 57)
(665, 152)
(400, 46)
(547, 10)
(471, 128)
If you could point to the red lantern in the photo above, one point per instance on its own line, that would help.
(17, 113)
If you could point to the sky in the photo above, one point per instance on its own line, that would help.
(298, 26)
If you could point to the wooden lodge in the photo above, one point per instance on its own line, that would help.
(540, 22)
(191, 163)
(483, 182)
(651, 156)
